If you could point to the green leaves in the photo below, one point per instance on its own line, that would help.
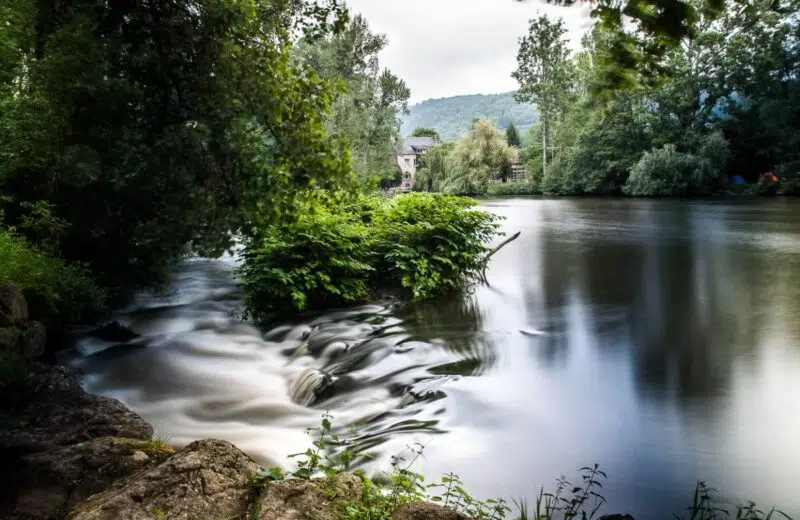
(340, 251)
(147, 127)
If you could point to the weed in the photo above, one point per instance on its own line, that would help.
(381, 496)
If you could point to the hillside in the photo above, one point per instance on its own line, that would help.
(452, 116)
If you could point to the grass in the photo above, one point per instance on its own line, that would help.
(332, 454)
(155, 446)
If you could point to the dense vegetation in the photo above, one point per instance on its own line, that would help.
(453, 116)
(67, 291)
(342, 249)
(730, 105)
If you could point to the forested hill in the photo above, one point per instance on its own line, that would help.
(453, 115)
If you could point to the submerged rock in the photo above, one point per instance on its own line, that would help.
(114, 331)
(207, 479)
(310, 385)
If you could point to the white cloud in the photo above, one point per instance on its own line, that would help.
(447, 47)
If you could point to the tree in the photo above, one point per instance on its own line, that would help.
(512, 136)
(640, 33)
(421, 131)
(476, 157)
(366, 112)
(543, 72)
(149, 129)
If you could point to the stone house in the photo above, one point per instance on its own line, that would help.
(408, 160)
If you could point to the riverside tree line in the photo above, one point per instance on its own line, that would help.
(722, 102)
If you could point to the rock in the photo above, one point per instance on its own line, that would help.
(53, 482)
(114, 331)
(9, 339)
(297, 499)
(425, 511)
(57, 412)
(13, 306)
(34, 341)
(616, 517)
(207, 479)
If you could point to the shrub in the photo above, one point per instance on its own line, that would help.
(66, 288)
(321, 259)
(338, 252)
(430, 244)
(667, 172)
(662, 172)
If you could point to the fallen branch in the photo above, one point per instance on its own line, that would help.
(503, 243)
(492, 252)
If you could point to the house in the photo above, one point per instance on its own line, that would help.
(409, 159)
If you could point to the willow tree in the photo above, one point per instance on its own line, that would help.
(544, 72)
(481, 153)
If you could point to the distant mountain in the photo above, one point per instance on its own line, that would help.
(453, 115)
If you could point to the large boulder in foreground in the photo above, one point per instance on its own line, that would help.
(54, 413)
(207, 479)
(297, 499)
(51, 483)
(58, 412)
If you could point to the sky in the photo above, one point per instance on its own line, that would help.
(444, 48)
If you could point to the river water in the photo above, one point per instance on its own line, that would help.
(660, 339)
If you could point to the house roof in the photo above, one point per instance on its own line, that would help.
(417, 144)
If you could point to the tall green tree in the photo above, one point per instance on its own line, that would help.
(152, 128)
(367, 111)
(544, 72)
(512, 136)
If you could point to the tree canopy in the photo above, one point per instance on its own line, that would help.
(141, 129)
(729, 106)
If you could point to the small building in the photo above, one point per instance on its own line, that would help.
(409, 159)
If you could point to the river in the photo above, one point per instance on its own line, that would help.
(660, 339)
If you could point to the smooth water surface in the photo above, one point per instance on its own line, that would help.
(660, 339)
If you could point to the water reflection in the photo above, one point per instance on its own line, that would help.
(658, 338)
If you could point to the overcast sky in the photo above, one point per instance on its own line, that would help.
(444, 48)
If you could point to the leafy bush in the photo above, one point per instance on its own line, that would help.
(667, 172)
(514, 188)
(662, 172)
(66, 288)
(321, 259)
(429, 244)
(339, 252)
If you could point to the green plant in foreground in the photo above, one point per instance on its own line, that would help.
(381, 496)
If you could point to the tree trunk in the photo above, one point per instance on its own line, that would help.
(544, 147)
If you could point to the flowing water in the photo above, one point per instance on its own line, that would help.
(660, 339)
